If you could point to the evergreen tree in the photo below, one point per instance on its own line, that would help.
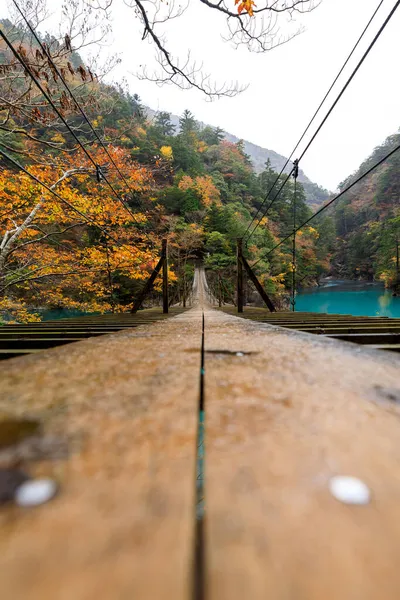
(188, 124)
(212, 136)
(163, 122)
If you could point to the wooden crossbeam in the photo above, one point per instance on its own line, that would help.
(376, 332)
(17, 340)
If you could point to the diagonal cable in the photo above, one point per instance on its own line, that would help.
(323, 208)
(72, 95)
(59, 114)
(87, 218)
(330, 110)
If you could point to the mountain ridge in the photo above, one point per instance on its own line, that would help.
(259, 155)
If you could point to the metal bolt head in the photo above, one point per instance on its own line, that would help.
(349, 490)
(35, 492)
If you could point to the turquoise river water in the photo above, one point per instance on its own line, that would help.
(333, 297)
(349, 298)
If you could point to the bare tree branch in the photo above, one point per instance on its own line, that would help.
(257, 27)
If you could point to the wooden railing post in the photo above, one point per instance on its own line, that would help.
(164, 254)
(239, 275)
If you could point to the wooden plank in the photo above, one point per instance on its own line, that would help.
(367, 338)
(122, 527)
(390, 347)
(6, 354)
(262, 314)
(280, 422)
(353, 329)
(43, 342)
(60, 332)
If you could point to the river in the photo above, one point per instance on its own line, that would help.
(333, 297)
(349, 297)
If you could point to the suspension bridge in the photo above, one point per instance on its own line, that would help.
(194, 449)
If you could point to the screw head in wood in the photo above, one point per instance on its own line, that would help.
(349, 490)
(35, 492)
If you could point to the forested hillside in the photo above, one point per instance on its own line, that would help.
(367, 221)
(93, 245)
(315, 194)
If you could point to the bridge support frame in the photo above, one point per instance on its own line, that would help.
(242, 262)
(239, 287)
(164, 255)
(162, 264)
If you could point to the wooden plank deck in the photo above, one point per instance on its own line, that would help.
(381, 333)
(284, 412)
(21, 339)
(283, 417)
(126, 408)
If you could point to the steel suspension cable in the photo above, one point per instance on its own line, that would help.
(60, 198)
(350, 79)
(366, 53)
(56, 110)
(294, 266)
(72, 95)
(347, 189)
(319, 107)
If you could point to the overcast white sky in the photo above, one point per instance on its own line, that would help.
(285, 84)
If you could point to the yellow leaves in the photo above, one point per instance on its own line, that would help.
(278, 278)
(186, 183)
(204, 186)
(312, 231)
(17, 311)
(245, 6)
(58, 138)
(197, 228)
(207, 190)
(166, 152)
(201, 146)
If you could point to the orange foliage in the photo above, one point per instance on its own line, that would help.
(204, 186)
(245, 6)
(61, 258)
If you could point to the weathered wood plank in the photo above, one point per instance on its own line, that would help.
(280, 422)
(126, 407)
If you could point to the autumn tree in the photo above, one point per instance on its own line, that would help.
(36, 70)
(72, 248)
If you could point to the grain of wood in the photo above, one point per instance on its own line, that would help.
(122, 525)
(281, 420)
